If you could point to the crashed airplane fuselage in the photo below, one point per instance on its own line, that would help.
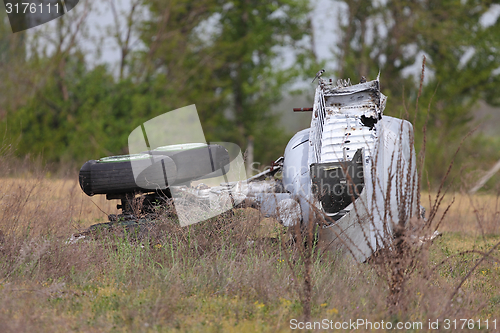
(353, 170)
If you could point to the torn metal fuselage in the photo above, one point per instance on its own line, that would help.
(353, 170)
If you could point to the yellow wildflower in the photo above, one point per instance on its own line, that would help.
(332, 311)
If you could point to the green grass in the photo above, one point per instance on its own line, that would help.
(229, 274)
(117, 285)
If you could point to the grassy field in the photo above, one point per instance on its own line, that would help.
(233, 273)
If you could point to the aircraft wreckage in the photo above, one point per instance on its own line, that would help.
(353, 171)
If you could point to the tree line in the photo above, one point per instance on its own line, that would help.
(230, 58)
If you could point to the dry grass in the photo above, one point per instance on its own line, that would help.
(227, 274)
(475, 215)
(55, 205)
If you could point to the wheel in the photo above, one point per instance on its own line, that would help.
(153, 170)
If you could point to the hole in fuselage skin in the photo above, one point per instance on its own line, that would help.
(369, 121)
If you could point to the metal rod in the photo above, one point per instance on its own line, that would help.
(485, 178)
